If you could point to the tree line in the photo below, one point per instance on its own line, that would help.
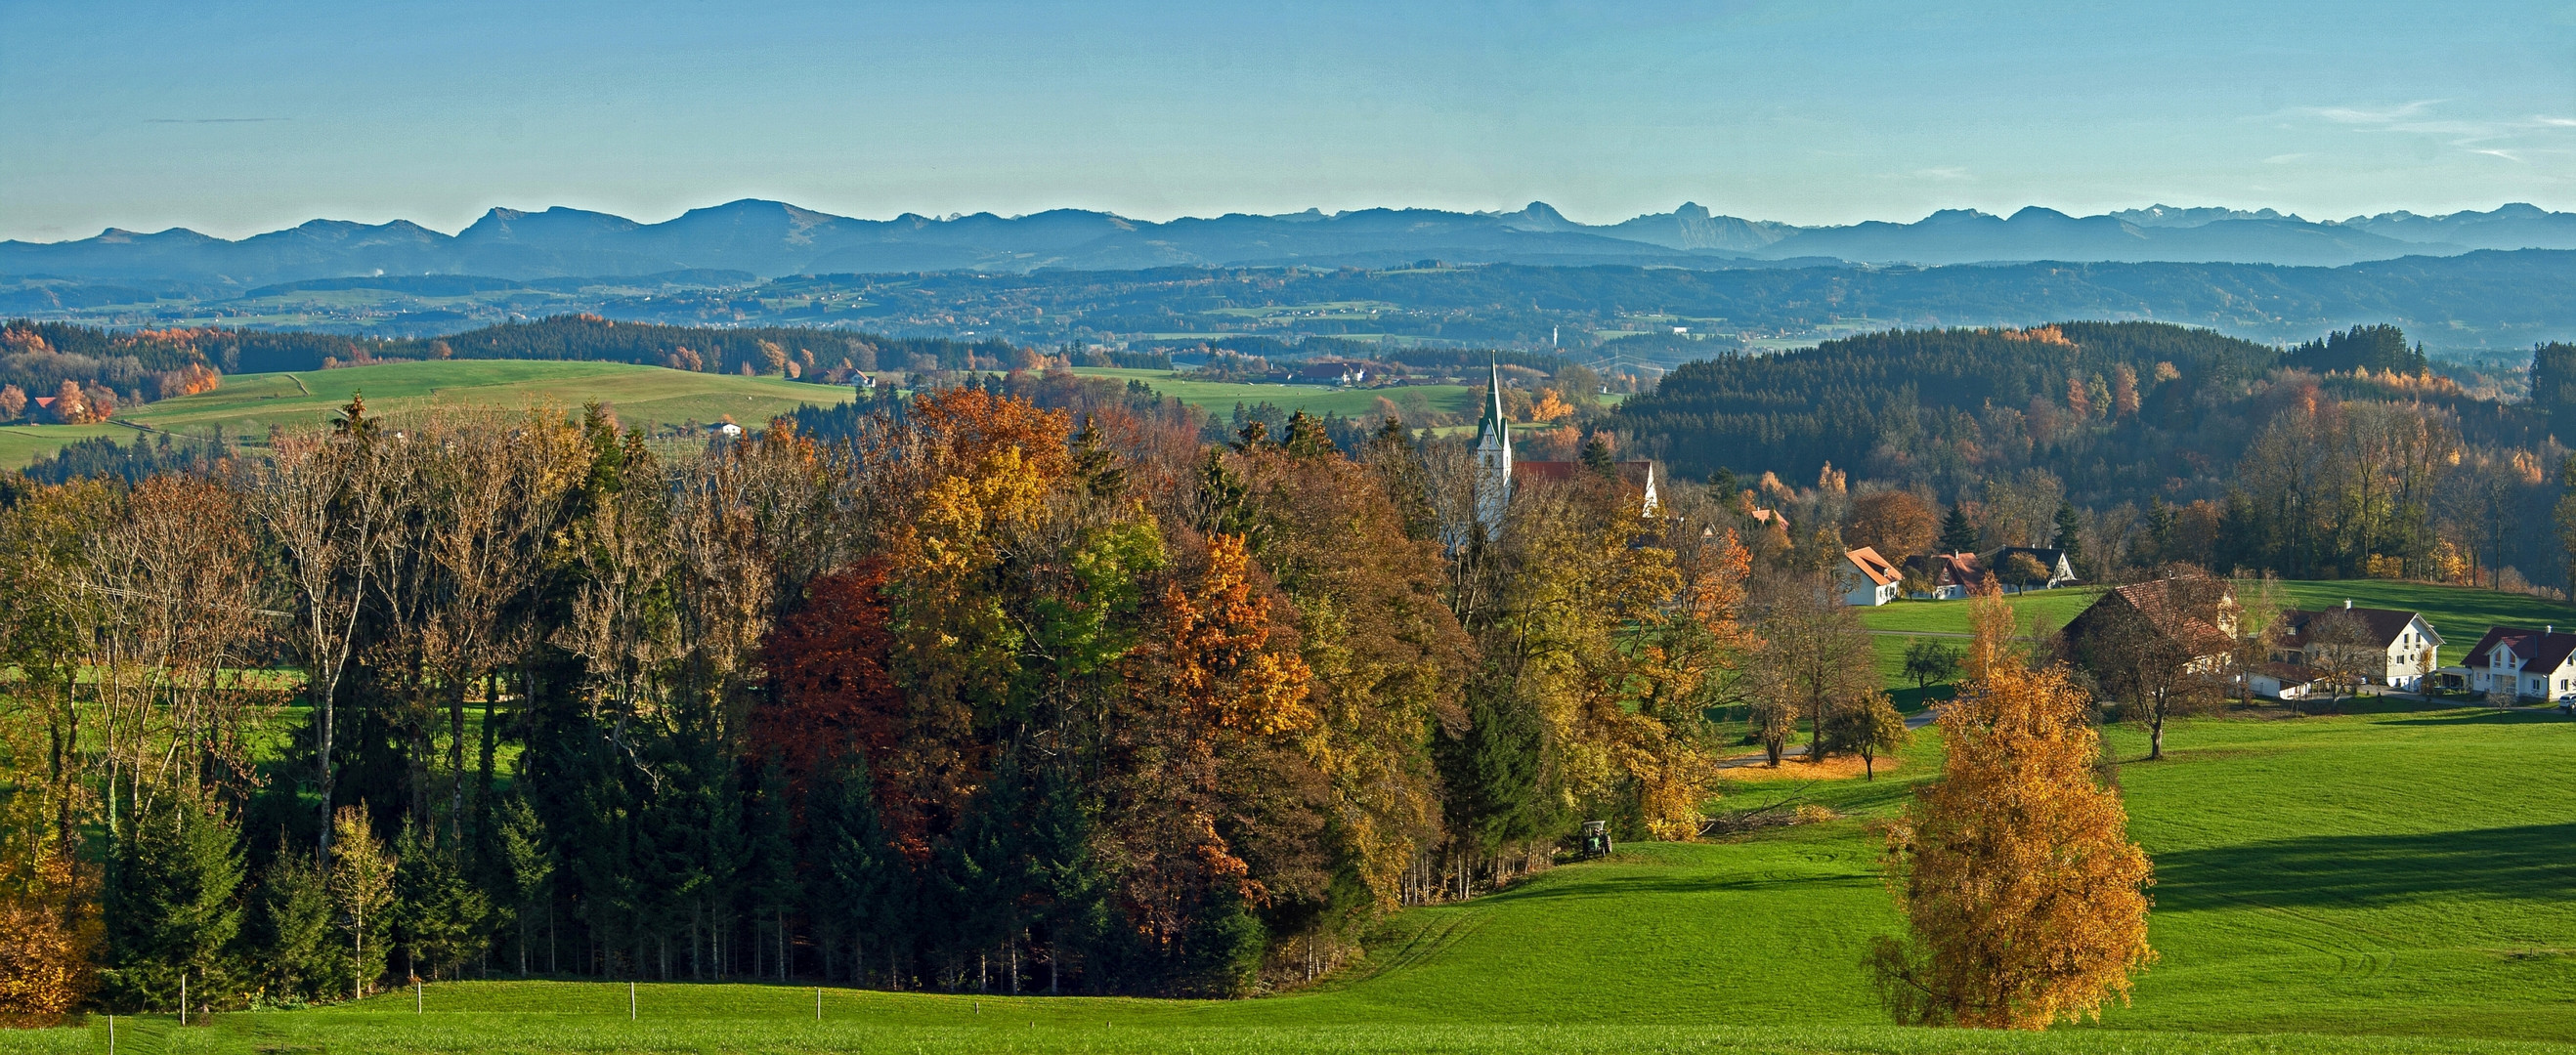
(2136, 445)
(975, 694)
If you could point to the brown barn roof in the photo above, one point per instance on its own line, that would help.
(2157, 601)
(1632, 472)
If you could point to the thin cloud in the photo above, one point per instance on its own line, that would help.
(2284, 159)
(210, 120)
(2505, 154)
(2351, 115)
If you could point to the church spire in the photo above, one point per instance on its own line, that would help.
(1493, 456)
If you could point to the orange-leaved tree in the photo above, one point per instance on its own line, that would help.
(2025, 899)
(1210, 773)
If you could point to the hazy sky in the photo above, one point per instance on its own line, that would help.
(237, 118)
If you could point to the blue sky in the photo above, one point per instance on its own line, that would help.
(238, 118)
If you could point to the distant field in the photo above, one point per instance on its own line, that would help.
(2461, 614)
(248, 404)
(2304, 903)
(2043, 611)
(1221, 396)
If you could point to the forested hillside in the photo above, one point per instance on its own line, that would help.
(2340, 456)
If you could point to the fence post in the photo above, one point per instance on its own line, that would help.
(630, 1001)
(818, 1003)
(415, 996)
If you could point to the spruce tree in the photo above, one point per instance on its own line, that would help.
(1957, 535)
(1493, 775)
(1071, 888)
(299, 955)
(437, 914)
(981, 875)
(868, 891)
(769, 878)
(2070, 533)
(523, 870)
(1596, 455)
(173, 904)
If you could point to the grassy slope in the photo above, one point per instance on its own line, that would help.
(2299, 892)
(1221, 396)
(249, 404)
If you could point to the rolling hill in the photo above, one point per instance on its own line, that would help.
(248, 405)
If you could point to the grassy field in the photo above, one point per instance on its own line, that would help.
(2305, 902)
(1221, 396)
(249, 404)
(2460, 613)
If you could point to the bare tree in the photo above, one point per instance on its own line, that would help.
(178, 578)
(1816, 658)
(2339, 646)
(2159, 648)
(316, 497)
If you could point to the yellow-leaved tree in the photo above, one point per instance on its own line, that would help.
(2025, 899)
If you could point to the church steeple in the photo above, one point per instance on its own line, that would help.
(1493, 456)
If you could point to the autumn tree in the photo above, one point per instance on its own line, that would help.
(1870, 728)
(2024, 898)
(1816, 659)
(362, 888)
(1895, 523)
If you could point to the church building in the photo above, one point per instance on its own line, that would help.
(1497, 474)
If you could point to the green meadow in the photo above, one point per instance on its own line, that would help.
(2391, 882)
(2461, 614)
(248, 405)
(1220, 396)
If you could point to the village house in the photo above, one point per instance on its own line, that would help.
(1950, 576)
(2196, 614)
(2530, 664)
(2397, 647)
(1866, 579)
(2052, 561)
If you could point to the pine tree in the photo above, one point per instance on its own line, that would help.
(437, 914)
(173, 906)
(770, 872)
(867, 892)
(1071, 887)
(299, 960)
(1957, 535)
(2070, 537)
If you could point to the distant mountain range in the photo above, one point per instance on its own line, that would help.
(771, 239)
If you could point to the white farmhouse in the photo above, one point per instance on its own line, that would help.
(1866, 579)
(2531, 664)
(2397, 647)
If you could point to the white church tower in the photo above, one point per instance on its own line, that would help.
(1493, 457)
